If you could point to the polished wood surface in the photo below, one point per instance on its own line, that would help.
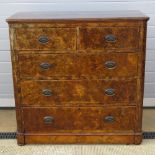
(83, 92)
(58, 39)
(78, 65)
(8, 120)
(95, 38)
(78, 120)
(74, 15)
(86, 70)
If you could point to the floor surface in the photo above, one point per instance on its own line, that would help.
(10, 147)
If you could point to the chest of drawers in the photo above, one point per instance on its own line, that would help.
(78, 76)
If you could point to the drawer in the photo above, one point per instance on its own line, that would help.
(45, 39)
(73, 66)
(78, 92)
(83, 119)
(109, 38)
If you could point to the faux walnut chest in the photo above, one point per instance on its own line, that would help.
(78, 76)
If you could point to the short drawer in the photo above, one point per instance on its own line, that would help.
(78, 92)
(45, 39)
(109, 38)
(96, 119)
(73, 66)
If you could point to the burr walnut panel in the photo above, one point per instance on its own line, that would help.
(78, 92)
(99, 38)
(81, 120)
(73, 66)
(45, 39)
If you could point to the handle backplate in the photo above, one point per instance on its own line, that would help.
(110, 38)
(48, 119)
(110, 64)
(109, 119)
(47, 92)
(43, 39)
(110, 91)
(46, 65)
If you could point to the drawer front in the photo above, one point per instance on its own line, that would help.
(45, 39)
(57, 66)
(109, 38)
(42, 120)
(78, 92)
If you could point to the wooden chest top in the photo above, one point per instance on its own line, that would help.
(75, 16)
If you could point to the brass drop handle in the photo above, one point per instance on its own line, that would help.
(48, 119)
(47, 92)
(110, 38)
(46, 65)
(109, 119)
(43, 39)
(110, 92)
(110, 64)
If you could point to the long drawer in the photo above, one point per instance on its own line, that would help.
(45, 39)
(83, 119)
(58, 66)
(78, 92)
